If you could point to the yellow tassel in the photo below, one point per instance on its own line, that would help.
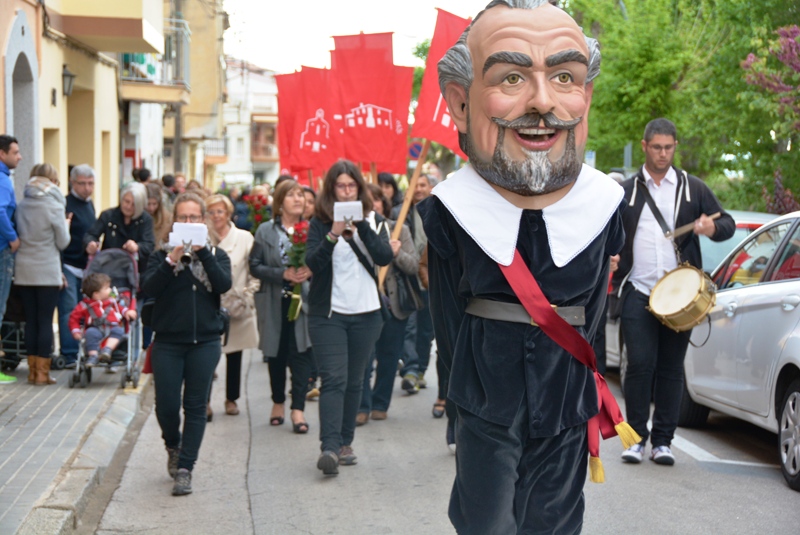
(596, 472)
(627, 435)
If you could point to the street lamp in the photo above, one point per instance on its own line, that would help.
(68, 79)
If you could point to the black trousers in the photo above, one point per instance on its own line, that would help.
(299, 363)
(40, 304)
(655, 356)
(507, 482)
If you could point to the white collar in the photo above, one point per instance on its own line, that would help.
(572, 223)
(670, 177)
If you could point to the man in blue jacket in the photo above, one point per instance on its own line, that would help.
(9, 241)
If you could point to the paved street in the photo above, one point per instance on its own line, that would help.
(253, 478)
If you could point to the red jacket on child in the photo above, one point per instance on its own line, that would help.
(94, 313)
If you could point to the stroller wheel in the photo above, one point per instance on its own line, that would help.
(73, 378)
(84, 378)
(58, 363)
(135, 379)
(123, 380)
(89, 374)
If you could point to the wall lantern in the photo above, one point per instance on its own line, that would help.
(68, 79)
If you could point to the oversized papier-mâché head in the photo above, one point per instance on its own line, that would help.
(518, 84)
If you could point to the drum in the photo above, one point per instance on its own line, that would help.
(683, 298)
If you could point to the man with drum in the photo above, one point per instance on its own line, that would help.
(656, 351)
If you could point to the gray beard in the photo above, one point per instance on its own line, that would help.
(535, 176)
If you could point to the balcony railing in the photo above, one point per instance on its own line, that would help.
(170, 68)
(216, 147)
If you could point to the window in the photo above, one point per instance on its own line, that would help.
(788, 267)
(747, 264)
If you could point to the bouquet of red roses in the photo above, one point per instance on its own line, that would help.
(297, 259)
(260, 210)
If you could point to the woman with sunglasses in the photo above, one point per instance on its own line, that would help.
(344, 307)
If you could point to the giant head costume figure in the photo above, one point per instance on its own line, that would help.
(519, 86)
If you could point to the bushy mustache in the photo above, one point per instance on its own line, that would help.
(532, 120)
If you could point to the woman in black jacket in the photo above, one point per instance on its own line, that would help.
(343, 308)
(128, 226)
(186, 347)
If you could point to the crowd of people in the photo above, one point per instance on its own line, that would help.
(243, 288)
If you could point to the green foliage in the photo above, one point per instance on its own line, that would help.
(681, 59)
(421, 52)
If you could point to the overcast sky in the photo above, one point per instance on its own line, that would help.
(283, 35)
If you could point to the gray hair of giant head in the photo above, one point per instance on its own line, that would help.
(456, 65)
(139, 193)
(83, 170)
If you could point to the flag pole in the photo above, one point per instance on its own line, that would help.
(398, 226)
(373, 172)
(310, 178)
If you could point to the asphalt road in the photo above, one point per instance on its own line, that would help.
(256, 479)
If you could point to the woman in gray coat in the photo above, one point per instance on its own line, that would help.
(283, 342)
(43, 234)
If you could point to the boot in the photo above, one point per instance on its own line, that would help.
(33, 364)
(43, 372)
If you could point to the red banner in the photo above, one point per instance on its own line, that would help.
(317, 138)
(288, 88)
(432, 119)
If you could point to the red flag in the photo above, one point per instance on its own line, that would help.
(432, 119)
(403, 82)
(375, 96)
(288, 87)
(317, 138)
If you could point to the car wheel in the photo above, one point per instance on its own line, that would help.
(691, 414)
(789, 435)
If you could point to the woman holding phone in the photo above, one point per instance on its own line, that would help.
(344, 307)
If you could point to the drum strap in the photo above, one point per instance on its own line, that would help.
(609, 420)
(668, 233)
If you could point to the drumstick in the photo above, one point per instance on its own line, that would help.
(680, 231)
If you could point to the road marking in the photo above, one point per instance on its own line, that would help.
(701, 455)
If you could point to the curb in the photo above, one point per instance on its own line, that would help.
(58, 510)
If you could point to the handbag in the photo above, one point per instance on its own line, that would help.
(408, 293)
(236, 303)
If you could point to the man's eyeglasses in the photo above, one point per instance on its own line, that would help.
(661, 148)
(189, 219)
(346, 186)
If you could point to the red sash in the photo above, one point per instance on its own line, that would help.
(609, 421)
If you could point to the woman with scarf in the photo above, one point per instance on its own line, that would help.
(187, 345)
(283, 342)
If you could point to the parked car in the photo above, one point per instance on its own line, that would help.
(749, 367)
(712, 253)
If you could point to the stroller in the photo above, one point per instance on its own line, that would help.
(122, 267)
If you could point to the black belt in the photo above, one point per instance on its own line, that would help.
(516, 313)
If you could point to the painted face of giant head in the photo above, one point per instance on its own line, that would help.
(525, 113)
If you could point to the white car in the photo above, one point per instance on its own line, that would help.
(749, 367)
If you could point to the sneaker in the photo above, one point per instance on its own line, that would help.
(662, 455)
(105, 355)
(346, 456)
(183, 483)
(422, 382)
(328, 462)
(172, 461)
(633, 454)
(7, 379)
(450, 436)
(92, 360)
(410, 383)
(313, 394)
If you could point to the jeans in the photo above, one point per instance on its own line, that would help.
(94, 337)
(653, 350)
(417, 344)
(299, 363)
(40, 303)
(507, 482)
(191, 367)
(387, 353)
(6, 277)
(67, 299)
(342, 346)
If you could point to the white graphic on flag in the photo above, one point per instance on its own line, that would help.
(369, 116)
(442, 115)
(316, 134)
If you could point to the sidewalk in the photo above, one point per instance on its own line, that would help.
(55, 443)
(252, 478)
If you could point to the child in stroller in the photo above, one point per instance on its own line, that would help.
(101, 317)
